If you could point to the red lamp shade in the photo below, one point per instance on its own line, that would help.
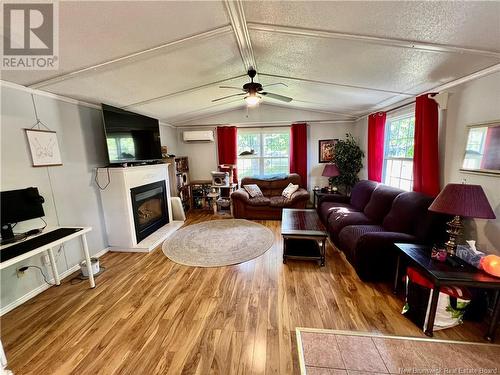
(463, 200)
(330, 170)
(491, 265)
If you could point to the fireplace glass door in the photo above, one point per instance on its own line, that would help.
(149, 204)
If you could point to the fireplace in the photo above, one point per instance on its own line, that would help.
(150, 209)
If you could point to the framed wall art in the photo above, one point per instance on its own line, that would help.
(326, 149)
(44, 147)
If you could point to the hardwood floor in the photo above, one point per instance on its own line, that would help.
(149, 315)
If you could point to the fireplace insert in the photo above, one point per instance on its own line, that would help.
(150, 208)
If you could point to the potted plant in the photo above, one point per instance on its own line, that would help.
(348, 158)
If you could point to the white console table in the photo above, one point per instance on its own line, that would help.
(48, 247)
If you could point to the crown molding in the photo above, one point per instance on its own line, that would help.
(47, 94)
(393, 42)
(456, 82)
(184, 122)
(266, 123)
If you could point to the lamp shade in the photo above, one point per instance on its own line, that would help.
(330, 170)
(463, 200)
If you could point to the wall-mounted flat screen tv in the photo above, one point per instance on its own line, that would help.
(130, 137)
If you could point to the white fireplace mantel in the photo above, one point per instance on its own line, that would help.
(117, 205)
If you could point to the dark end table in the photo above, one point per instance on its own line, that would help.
(447, 274)
(302, 230)
(318, 193)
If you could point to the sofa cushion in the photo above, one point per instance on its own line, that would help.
(343, 217)
(350, 235)
(289, 190)
(259, 201)
(407, 211)
(278, 201)
(380, 202)
(253, 190)
(361, 194)
(326, 208)
(272, 186)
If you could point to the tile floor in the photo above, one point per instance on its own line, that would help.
(330, 352)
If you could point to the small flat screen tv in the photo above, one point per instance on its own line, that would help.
(130, 137)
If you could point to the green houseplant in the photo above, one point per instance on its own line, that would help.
(348, 158)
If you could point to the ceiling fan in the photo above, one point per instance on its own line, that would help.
(253, 91)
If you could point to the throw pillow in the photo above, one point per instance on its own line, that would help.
(253, 190)
(289, 190)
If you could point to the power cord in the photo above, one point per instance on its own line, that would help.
(96, 178)
(22, 269)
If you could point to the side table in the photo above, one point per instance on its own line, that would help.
(318, 193)
(444, 274)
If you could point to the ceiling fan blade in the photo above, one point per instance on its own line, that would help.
(274, 84)
(229, 96)
(231, 87)
(277, 97)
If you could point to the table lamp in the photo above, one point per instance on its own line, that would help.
(331, 171)
(461, 200)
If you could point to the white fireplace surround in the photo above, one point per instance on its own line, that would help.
(118, 211)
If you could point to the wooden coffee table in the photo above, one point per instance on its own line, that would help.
(304, 235)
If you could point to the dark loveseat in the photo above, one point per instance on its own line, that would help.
(366, 225)
(270, 206)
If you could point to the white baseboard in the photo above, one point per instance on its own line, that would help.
(45, 286)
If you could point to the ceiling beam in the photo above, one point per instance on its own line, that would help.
(162, 97)
(383, 106)
(197, 37)
(335, 84)
(393, 42)
(195, 114)
(238, 22)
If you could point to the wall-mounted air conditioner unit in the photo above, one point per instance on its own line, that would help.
(198, 136)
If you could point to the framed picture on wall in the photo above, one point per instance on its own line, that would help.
(326, 148)
(44, 147)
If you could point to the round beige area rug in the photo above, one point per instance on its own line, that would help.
(218, 243)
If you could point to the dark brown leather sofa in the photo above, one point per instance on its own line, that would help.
(270, 206)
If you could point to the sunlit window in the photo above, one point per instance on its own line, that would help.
(398, 152)
(263, 152)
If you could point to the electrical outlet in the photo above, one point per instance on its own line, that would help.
(19, 273)
(46, 259)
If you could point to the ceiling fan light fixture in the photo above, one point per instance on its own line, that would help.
(252, 99)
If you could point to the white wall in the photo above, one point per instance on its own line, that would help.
(71, 197)
(203, 156)
(361, 135)
(168, 137)
(474, 102)
(315, 133)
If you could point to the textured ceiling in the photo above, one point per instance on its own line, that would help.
(167, 58)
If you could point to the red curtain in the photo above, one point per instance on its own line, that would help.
(227, 146)
(298, 152)
(376, 133)
(425, 157)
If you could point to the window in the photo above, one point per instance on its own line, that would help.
(270, 155)
(475, 148)
(398, 151)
